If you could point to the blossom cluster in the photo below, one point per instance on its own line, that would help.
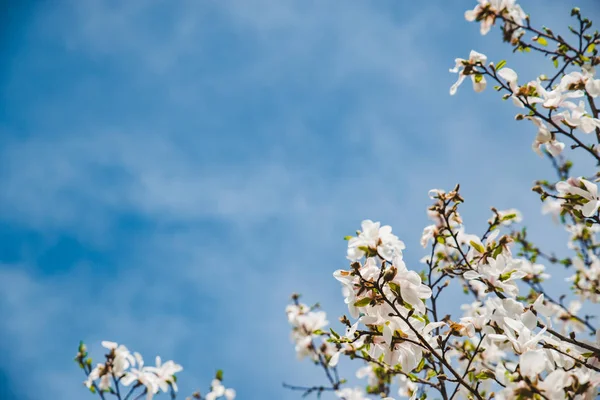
(123, 369)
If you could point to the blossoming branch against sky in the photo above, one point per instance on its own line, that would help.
(171, 171)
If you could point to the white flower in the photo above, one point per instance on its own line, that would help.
(465, 67)
(351, 394)
(585, 189)
(487, 11)
(500, 272)
(577, 117)
(143, 376)
(164, 373)
(519, 333)
(218, 390)
(510, 76)
(412, 289)
(555, 98)
(99, 372)
(377, 238)
(122, 357)
(544, 136)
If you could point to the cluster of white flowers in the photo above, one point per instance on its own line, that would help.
(307, 325)
(217, 390)
(509, 343)
(558, 99)
(124, 372)
(127, 369)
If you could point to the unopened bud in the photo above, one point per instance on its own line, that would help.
(390, 274)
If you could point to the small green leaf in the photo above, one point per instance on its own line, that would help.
(219, 375)
(348, 237)
(497, 252)
(395, 288)
(485, 374)
(362, 302)
(477, 246)
(420, 366)
(508, 217)
(542, 41)
(506, 276)
(334, 333)
(478, 78)
(500, 65)
(591, 47)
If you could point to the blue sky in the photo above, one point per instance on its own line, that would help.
(171, 171)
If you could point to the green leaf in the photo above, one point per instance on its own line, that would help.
(362, 302)
(497, 252)
(500, 65)
(395, 288)
(477, 246)
(485, 374)
(219, 375)
(591, 47)
(506, 276)
(478, 78)
(334, 333)
(542, 41)
(348, 237)
(420, 366)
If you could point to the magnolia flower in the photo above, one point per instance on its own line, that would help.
(554, 99)
(218, 390)
(377, 238)
(351, 394)
(143, 376)
(585, 78)
(428, 234)
(487, 11)
(122, 357)
(577, 117)
(554, 384)
(531, 270)
(500, 272)
(165, 374)
(465, 67)
(99, 372)
(510, 76)
(544, 136)
(412, 289)
(584, 188)
(305, 323)
(532, 361)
